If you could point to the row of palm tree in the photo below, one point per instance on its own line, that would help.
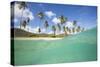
(22, 6)
(41, 16)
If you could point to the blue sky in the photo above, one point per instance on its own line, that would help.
(86, 16)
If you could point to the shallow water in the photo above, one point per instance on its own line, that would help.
(80, 47)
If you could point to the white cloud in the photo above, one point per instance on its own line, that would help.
(15, 20)
(19, 12)
(43, 30)
(69, 24)
(50, 14)
(28, 13)
(35, 29)
(55, 20)
(50, 32)
(59, 32)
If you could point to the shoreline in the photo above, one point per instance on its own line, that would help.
(38, 38)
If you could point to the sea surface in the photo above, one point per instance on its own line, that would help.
(76, 48)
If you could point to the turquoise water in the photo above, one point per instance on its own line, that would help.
(76, 48)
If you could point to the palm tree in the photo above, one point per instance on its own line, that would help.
(74, 26)
(22, 5)
(67, 29)
(46, 24)
(82, 29)
(64, 28)
(25, 22)
(59, 27)
(39, 30)
(78, 29)
(73, 30)
(54, 30)
(40, 15)
(62, 19)
(74, 23)
(28, 20)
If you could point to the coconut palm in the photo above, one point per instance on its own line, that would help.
(82, 29)
(78, 29)
(74, 23)
(46, 24)
(22, 5)
(64, 28)
(25, 22)
(67, 29)
(74, 26)
(28, 20)
(73, 30)
(39, 30)
(54, 30)
(59, 27)
(62, 19)
(40, 15)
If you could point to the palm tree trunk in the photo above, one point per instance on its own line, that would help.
(66, 33)
(21, 18)
(54, 33)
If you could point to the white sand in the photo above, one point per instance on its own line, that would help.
(38, 38)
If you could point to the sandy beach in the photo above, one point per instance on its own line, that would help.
(38, 38)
